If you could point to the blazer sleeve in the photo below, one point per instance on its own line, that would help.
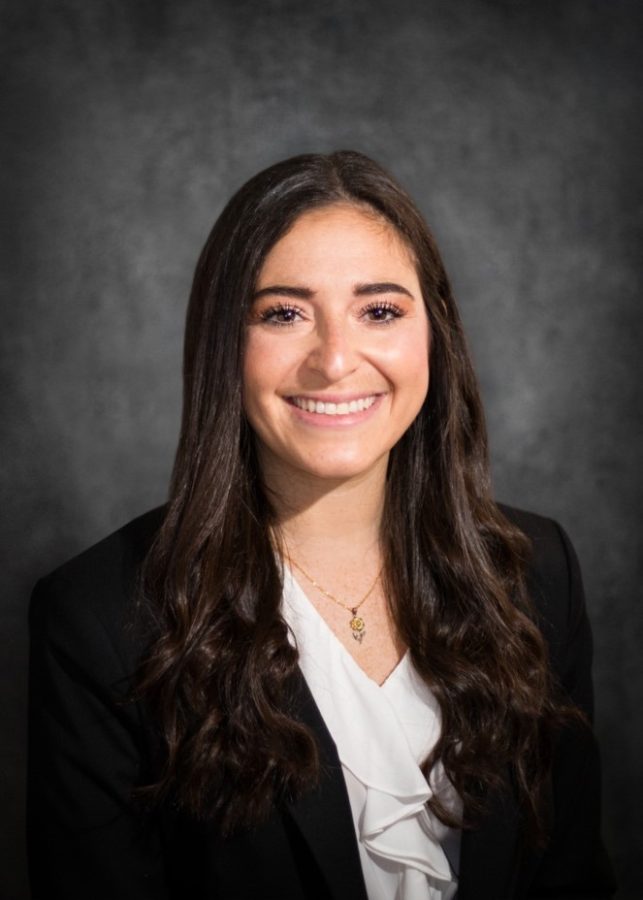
(86, 837)
(575, 863)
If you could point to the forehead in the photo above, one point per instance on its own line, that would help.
(339, 235)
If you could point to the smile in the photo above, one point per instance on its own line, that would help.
(333, 409)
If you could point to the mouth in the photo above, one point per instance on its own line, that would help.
(334, 408)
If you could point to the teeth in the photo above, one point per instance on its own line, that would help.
(333, 409)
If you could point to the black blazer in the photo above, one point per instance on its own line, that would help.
(88, 748)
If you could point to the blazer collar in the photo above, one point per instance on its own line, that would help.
(323, 814)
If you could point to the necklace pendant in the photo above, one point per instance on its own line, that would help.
(358, 626)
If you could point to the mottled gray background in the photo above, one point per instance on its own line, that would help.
(125, 126)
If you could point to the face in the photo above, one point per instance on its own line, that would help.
(336, 362)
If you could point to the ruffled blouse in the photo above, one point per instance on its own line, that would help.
(382, 734)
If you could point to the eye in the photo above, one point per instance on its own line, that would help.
(382, 312)
(280, 315)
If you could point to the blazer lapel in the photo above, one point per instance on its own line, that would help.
(323, 815)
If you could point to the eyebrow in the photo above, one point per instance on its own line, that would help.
(360, 290)
(381, 287)
(283, 290)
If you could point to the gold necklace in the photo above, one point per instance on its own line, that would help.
(357, 623)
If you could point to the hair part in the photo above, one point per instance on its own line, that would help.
(221, 675)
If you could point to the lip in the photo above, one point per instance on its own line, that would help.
(339, 420)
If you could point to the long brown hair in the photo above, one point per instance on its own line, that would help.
(220, 673)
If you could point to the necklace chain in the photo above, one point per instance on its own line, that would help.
(357, 623)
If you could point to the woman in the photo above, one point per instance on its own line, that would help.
(331, 666)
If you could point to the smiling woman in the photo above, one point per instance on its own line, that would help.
(332, 666)
(336, 364)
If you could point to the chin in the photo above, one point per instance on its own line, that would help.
(341, 469)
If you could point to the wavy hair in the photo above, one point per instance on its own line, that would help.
(220, 674)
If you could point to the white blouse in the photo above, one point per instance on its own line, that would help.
(382, 734)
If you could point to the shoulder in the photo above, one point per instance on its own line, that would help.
(555, 586)
(115, 556)
(552, 567)
(90, 597)
(552, 561)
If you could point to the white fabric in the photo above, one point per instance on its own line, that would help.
(382, 733)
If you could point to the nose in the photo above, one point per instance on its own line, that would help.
(333, 354)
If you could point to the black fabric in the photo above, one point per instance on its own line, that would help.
(88, 747)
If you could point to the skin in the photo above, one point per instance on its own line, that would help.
(338, 316)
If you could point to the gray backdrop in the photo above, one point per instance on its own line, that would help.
(516, 125)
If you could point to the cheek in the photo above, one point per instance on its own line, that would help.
(264, 374)
(409, 362)
(416, 357)
(413, 371)
(256, 369)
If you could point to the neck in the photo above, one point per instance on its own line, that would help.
(327, 517)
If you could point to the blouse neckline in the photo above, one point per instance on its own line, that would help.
(382, 734)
